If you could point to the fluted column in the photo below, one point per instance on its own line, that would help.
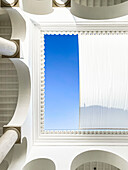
(84, 2)
(90, 3)
(117, 1)
(97, 3)
(104, 2)
(8, 48)
(110, 2)
(7, 141)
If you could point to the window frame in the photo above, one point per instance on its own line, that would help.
(64, 137)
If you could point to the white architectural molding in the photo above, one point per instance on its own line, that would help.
(18, 23)
(102, 156)
(62, 20)
(42, 162)
(90, 10)
(81, 27)
(22, 107)
(70, 25)
(7, 141)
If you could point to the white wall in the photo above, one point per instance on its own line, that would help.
(40, 164)
(63, 156)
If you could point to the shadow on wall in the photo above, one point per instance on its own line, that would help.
(16, 157)
(96, 166)
(99, 156)
(12, 24)
(24, 82)
(4, 165)
(40, 164)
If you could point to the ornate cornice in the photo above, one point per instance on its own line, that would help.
(88, 132)
(78, 26)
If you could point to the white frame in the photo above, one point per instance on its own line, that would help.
(67, 137)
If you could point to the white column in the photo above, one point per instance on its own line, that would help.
(110, 2)
(8, 48)
(9, 2)
(7, 141)
(97, 3)
(117, 2)
(84, 2)
(104, 2)
(39, 7)
(90, 3)
(78, 1)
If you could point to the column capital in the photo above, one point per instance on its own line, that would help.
(17, 53)
(16, 129)
(9, 3)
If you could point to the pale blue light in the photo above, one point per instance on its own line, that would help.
(61, 82)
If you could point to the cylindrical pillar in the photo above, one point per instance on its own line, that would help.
(8, 48)
(97, 3)
(9, 3)
(110, 2)
(90, 3)
(84, 2)
(39, 7)
(7, 141)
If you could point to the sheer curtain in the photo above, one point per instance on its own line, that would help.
(103, 65)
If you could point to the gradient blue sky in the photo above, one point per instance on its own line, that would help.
(61, 82)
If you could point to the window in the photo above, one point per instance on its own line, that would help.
(103, 80)
(61, 82)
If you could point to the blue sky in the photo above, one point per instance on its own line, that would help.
(61, 82)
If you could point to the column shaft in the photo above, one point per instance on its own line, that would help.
(7, 141)
(7, 48)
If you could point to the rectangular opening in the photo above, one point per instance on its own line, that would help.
(61, 82)
(100, 102)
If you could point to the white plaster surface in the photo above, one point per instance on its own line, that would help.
(6, 143)
(7, 48)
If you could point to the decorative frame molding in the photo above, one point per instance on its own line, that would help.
(68, 137)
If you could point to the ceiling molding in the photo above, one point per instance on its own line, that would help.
(103, 26)
(114, 137)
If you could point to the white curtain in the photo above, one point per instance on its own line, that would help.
(103, 65)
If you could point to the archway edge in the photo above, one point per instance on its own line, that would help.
(99, 156)
(44, 161)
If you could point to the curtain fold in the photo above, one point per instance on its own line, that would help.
(103, 65)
